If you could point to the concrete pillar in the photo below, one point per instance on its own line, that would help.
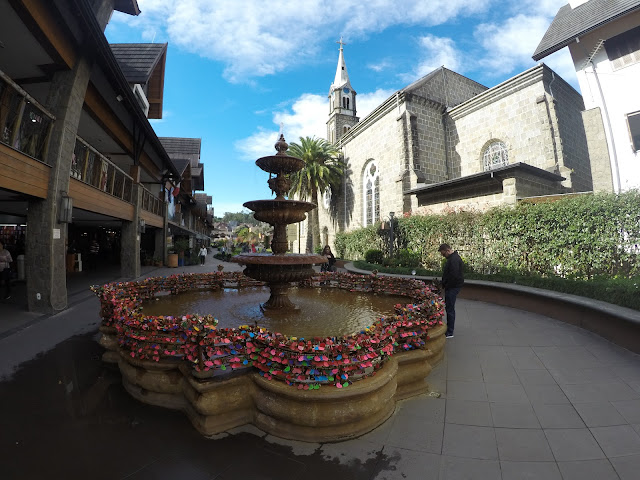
(103, 10)
(46, 240)
(130, 238)
(598, 151)
(509, 191)
(161, 238)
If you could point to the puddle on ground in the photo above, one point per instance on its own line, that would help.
(65, 414)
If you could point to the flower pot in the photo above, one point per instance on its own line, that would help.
(172, 260)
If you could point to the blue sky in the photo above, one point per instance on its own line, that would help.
(237, 69)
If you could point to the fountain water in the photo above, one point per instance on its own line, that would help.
(279, 269)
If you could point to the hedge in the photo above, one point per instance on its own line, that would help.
(577, 237)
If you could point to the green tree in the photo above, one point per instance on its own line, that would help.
(323, 168)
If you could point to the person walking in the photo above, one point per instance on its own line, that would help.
(5, 270)
(452, 281)
(203, 254)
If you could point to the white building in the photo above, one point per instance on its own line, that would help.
(603, 37)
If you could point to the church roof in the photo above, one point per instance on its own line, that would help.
(570, 23)
(342, 77)
(461, 187)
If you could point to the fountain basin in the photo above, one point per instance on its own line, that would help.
(279, 211)
(280, 164)
(185, 363)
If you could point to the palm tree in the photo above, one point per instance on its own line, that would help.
(323, 168)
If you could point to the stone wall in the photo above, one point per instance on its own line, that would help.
(598, 151)
(510, 114)
(568, 128)
(383, 142)
(537, 129)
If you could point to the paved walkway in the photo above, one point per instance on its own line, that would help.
(521, 396)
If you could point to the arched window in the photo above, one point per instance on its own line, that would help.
(345, 102)
(345, 129)
(495, 156)
(371, 194)
(326, 198)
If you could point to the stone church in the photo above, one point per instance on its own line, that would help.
(446, 141)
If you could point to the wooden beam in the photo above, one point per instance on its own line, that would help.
(45, 23)
(102, 113)
(94, 200)
(23, 174)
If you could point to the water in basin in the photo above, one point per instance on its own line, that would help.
(324, 312)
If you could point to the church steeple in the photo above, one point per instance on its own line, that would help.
(342, 77)
(342, 101)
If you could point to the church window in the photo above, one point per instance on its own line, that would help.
(624, 49)
(633, 122)
(495, 156)
(345, 129)
(371, 194)
(326, 198)
(345, 102)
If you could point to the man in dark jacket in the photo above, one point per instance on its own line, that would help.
(452, 281)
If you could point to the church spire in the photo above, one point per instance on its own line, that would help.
(342, 77)
(342, 101)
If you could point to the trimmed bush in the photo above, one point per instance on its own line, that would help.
(374, 256)
(576, 237)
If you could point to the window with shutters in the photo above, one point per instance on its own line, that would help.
(624, 49)
(633, 123)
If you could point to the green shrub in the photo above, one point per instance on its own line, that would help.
(576, 237)
(374, 256)
(407, 258)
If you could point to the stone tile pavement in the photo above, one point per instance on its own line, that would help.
(518, 396)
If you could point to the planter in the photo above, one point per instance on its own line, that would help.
(172, 260)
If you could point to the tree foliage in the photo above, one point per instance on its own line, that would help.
(322, 168)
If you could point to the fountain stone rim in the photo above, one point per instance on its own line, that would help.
(270, 259)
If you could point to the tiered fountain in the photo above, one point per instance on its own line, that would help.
(227, 377)
(279, 269)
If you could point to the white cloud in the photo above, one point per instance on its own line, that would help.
(366, 102)
(509, 45)
(435, 53)
(547, 8)
(380, 66)
(254, 38)
(306, 117)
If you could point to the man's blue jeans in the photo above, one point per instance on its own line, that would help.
(450, 295)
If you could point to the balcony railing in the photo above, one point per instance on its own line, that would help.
(93, 168)
(24, 124)
(151, 203)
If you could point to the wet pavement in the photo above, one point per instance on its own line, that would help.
(521, 396)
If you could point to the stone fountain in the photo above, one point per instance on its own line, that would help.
(279, 269)
(223, 378)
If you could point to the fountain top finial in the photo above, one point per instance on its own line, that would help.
(281, 145)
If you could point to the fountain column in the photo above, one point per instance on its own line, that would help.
(279, 269)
